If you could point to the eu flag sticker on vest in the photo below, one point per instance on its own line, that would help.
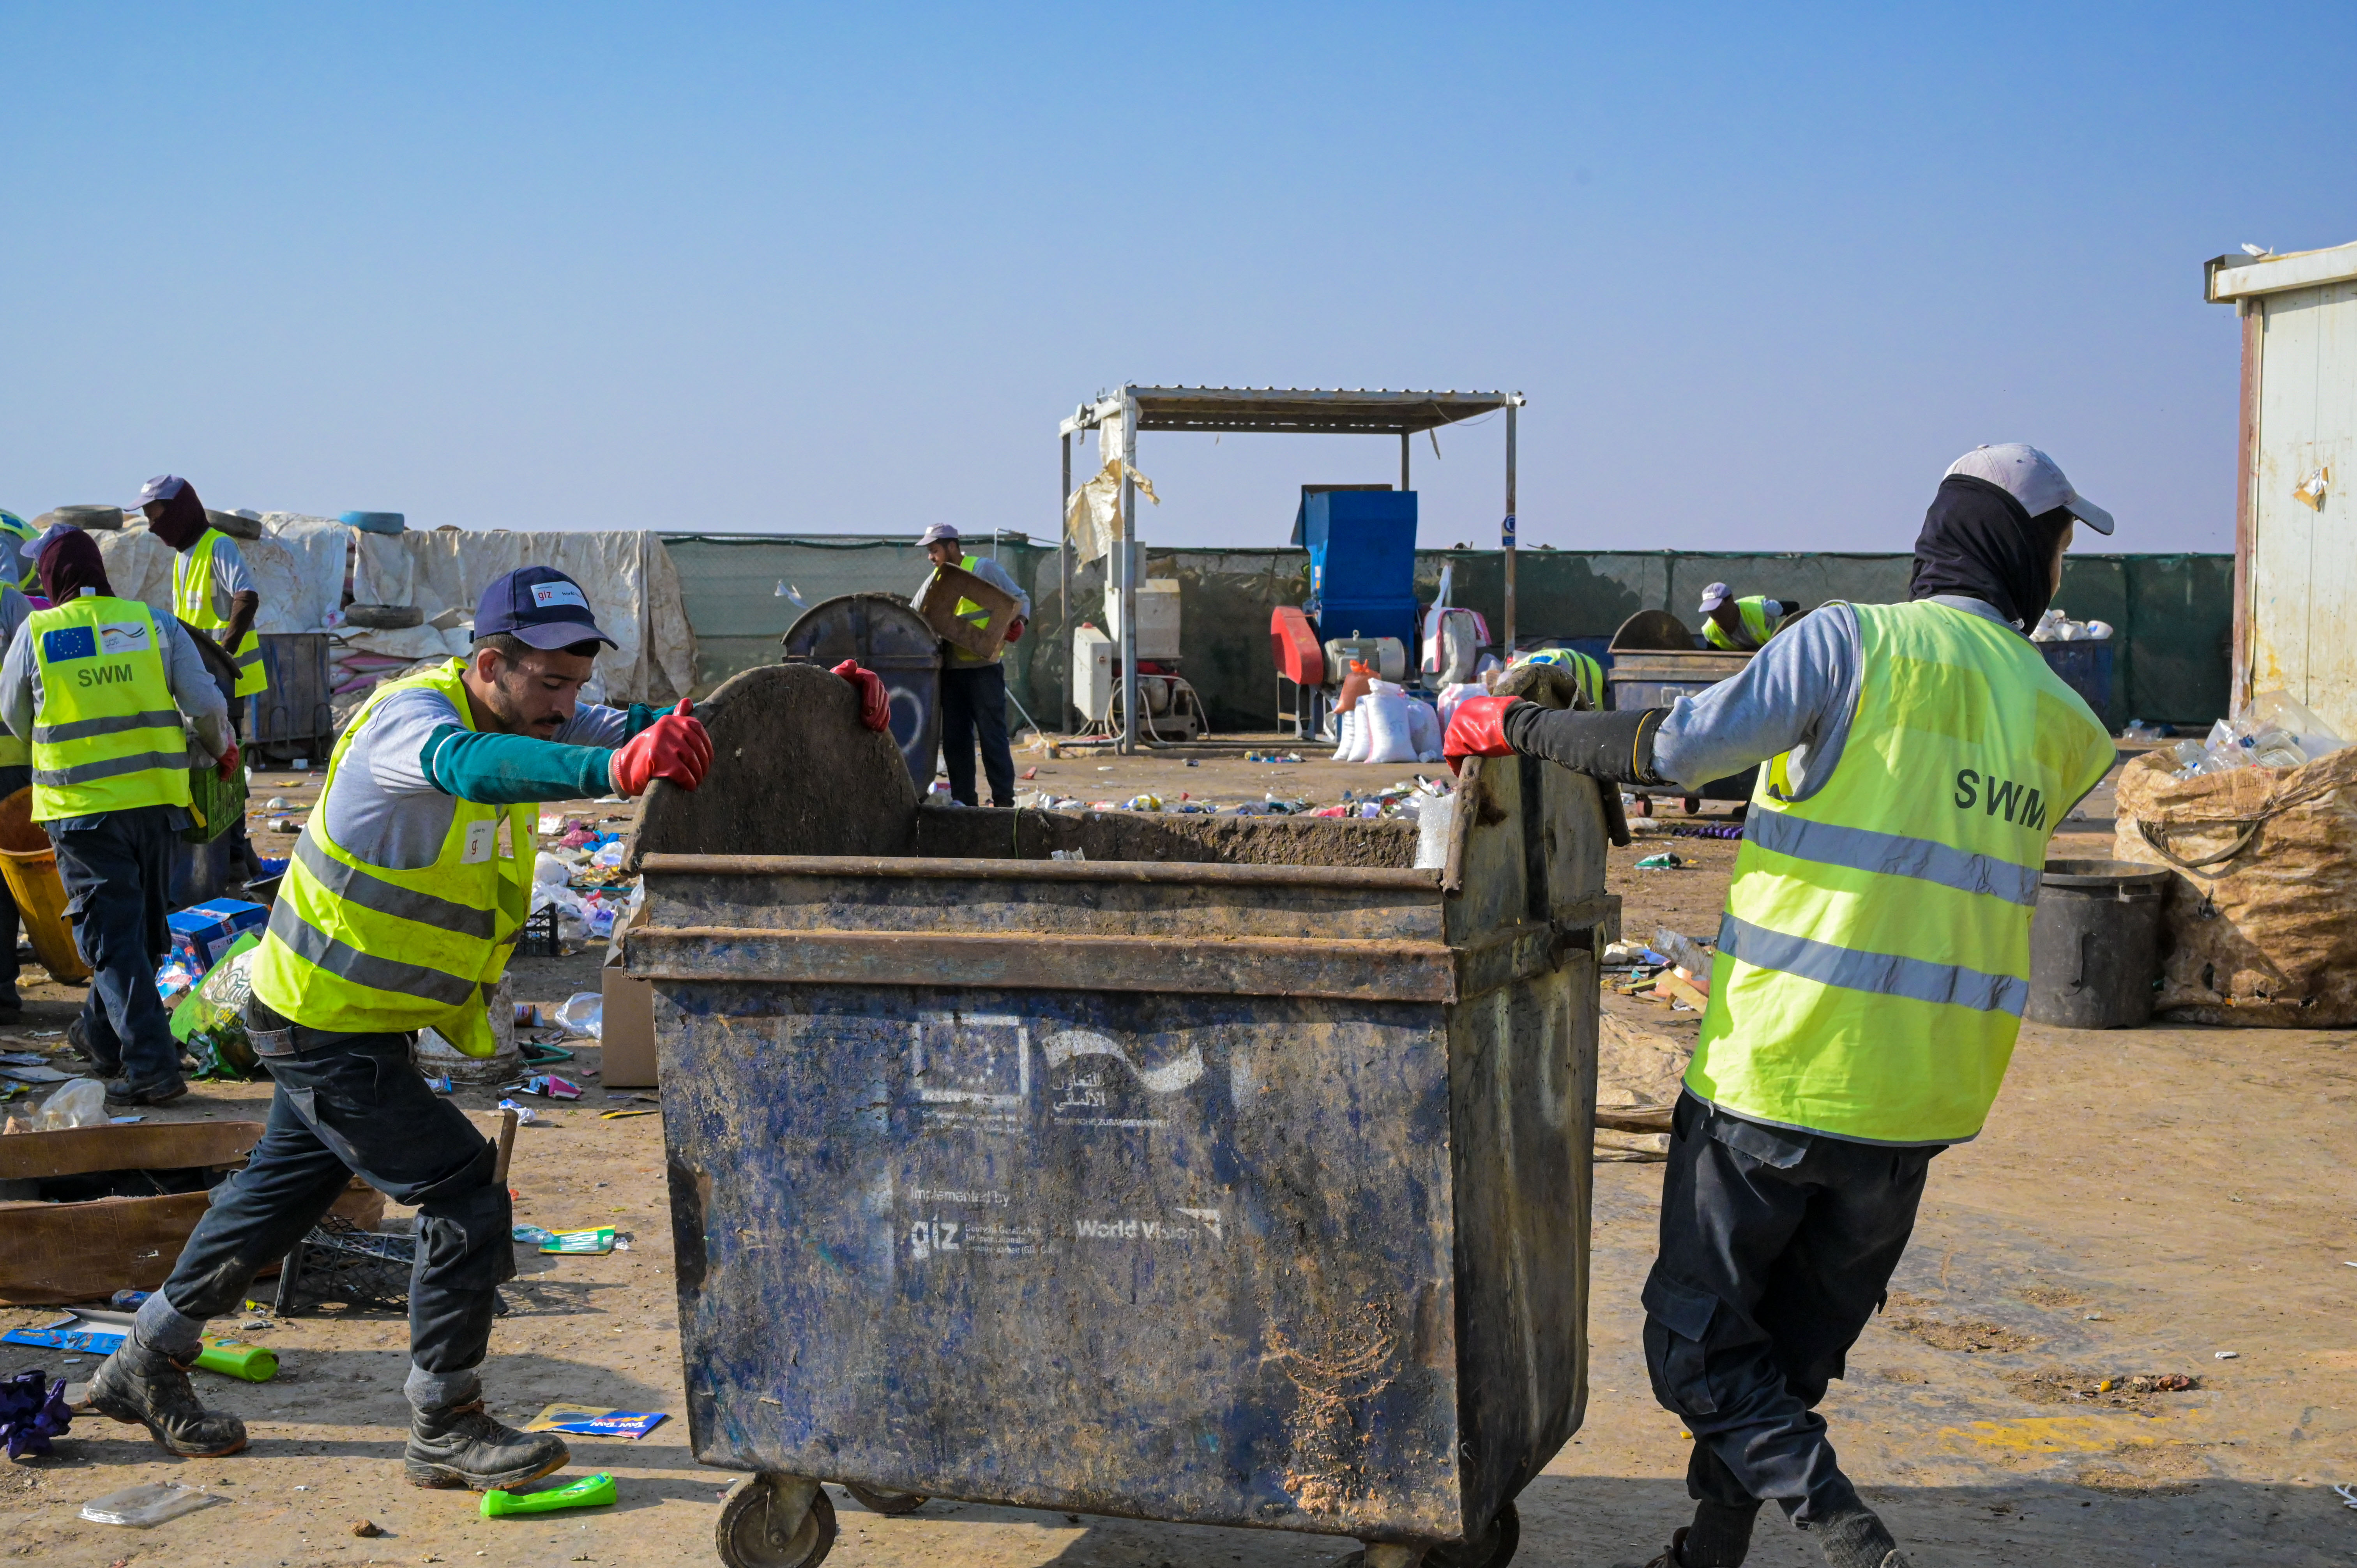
(69, 642)
(122, 637)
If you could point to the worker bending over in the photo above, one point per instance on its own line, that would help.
(212, 591)
(404, 895)
(1872, 965)
(1741, 624)
(98, 687)
(973, 689)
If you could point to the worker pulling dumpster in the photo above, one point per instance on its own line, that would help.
(1873, 963)
(397, 915)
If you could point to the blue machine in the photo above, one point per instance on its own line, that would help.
(1362, 547)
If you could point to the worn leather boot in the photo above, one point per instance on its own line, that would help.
(123, 1092)
(458, 1445)
(138, 1384)
(1855, 1538)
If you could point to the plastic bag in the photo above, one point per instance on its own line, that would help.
(144, 1507)
(549, 871)
(1390, 738)
(583, 1014)
(210, 1020)
(607, 856)
(81, 1103)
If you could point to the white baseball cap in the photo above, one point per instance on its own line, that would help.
(2031, 477)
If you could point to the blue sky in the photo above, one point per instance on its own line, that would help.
(1761, 272)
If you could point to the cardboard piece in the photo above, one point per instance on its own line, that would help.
(937, 602)
(626, 1033)
(61, 1253)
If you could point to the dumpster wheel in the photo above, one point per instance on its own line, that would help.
(1494, 1550)
(890, 1504)
(753, 1534)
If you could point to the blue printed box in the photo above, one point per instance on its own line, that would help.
(203, 932)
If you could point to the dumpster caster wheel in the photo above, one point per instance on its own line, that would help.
(1494, 1550)
(765, 1525)
(1693, 806)
(891, 1505)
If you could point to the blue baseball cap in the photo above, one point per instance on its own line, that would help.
(540, 606)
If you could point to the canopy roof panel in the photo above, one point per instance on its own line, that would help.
(1279, 410)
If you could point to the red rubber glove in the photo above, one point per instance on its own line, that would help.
(1014, 629)
(227, 765)
(675, 746)
(875, 705)
(1476, 728)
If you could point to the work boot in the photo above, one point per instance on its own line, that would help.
(458, 1445)
(163, 1092)
(142, 1385)
(1855, 1538)
(79, 1038)
(1674, 1556)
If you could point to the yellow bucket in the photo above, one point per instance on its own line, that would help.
(28, 863)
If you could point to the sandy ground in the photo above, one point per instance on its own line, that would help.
(2142, 1201)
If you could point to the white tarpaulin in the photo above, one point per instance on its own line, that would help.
(1093, 514)
(300, 565)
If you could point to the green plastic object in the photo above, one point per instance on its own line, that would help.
(591, 1492)
(215, 803)
(1663, 861)
(254, 1363)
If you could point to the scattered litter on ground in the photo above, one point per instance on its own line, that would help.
(32, 1411)
(531, 1235)
(583, 1420)
(580, 1241)
(590, 1492)
(2348, 1495)
(618, 1115)
(141, 1508)
(1666, 861)
(525, 1115)
(2229, 1355)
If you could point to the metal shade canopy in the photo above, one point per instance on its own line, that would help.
(1277, 411)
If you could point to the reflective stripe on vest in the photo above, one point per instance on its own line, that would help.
(106, 735)
(192, 601)
(1873, 959)
(363, 948)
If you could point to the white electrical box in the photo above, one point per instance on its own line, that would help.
(1096, 675)
(1157, 617)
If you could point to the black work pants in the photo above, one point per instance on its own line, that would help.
(355, 1106)
(1776, 1248)
(11, 780)
(974, 708)
(118, 878)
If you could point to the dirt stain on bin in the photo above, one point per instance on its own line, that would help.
(1349, 1369)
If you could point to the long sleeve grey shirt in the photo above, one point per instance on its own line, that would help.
(1797, 695)
(193, 690)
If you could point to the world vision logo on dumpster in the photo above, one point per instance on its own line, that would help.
(2017, 803)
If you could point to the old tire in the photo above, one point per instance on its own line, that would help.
(891, 1505)
(383, 618)
(749, 1535)
(1494, 1550)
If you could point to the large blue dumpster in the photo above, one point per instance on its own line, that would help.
(1229, 1172)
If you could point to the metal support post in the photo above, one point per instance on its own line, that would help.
(1128, 574)
(1507, 652)
(1403, 441)
(1064, 576)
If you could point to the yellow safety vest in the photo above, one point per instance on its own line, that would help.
(362, 948)
(106, 736)
(968, 610)
(15, 534)
(1874, 957)
(192, 601)
(1585, 672)
(1752, 610)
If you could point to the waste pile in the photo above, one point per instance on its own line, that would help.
(2276, 730)
(2055, 626)
(1402, 802)
(579, 873)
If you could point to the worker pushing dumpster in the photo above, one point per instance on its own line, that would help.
(1216, 1170)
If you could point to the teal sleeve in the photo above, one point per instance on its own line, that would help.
(514, 770)
(640, 717)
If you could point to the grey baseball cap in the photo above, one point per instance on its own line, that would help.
(939, 534)
(2031, 477)
(1714, 596)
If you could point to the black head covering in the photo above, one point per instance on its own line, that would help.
(1978, 541)
(183, 522)
(70, 564)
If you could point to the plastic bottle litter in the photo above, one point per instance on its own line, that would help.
(584, 1013)
(607, 856)
(143, 1508)
(2276, 730)
(2055, 626)
(591, 1492)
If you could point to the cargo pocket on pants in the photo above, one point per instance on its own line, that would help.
(1677, 1332)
